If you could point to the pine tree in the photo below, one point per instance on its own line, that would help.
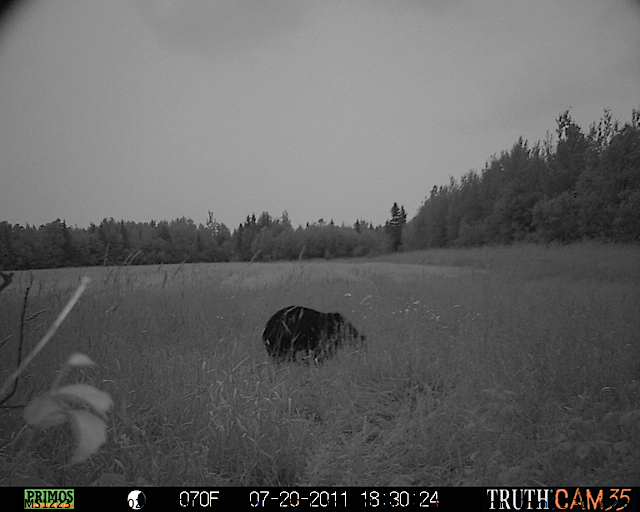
(395, 225)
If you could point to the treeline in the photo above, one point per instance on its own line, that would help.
(141, 243)
(587, 186)
(584, 186)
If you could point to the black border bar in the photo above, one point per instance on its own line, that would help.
(614, 499)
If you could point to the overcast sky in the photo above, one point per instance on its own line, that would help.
(330, 109)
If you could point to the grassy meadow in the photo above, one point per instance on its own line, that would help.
(507, 366)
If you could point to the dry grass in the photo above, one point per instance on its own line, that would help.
(525, 371)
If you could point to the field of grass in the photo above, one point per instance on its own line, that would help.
(492, 366)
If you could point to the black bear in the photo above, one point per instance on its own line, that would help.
(297, 329)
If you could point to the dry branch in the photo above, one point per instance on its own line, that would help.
(7, 278)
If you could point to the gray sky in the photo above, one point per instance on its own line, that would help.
(143, 110)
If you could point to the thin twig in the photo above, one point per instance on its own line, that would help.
(63, 314)
(5, 340)
(7, 277)
(21, 340)
(22, 322)
(36, 314)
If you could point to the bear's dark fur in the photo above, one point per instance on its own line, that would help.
(298, 329)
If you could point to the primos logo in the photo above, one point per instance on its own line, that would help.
(48, 498)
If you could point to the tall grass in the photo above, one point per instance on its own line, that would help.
(525, 374)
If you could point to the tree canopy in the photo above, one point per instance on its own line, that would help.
(587, 186)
